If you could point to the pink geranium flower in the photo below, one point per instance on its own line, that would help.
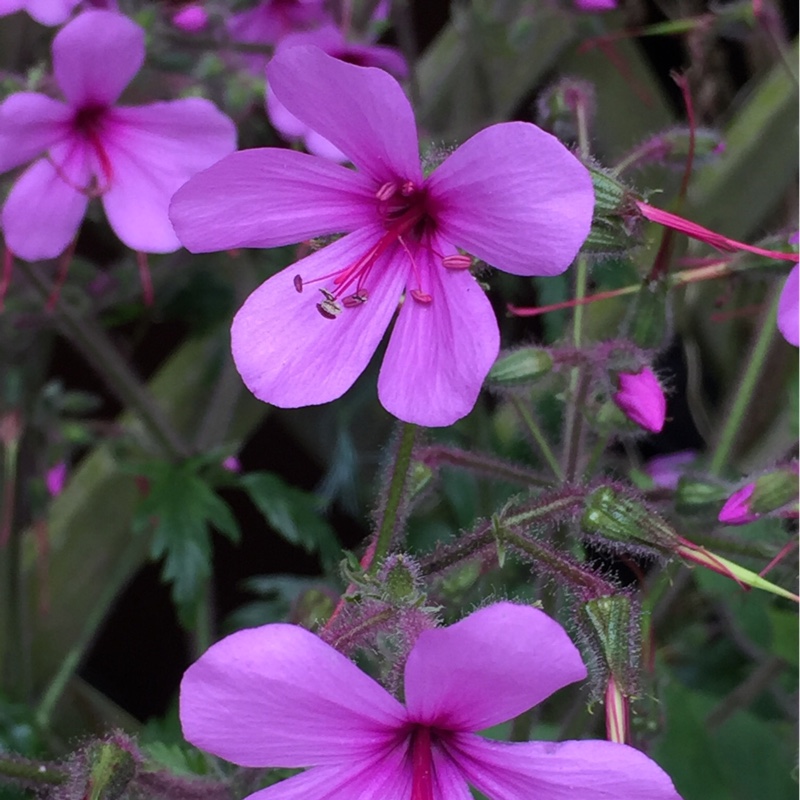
(330, 40)
(56, 478)
(641, 399)
(788, 311)
(512, 195)
(279, 696)
(270, 20)
(132, 158)
(595, 5)
(46, 12)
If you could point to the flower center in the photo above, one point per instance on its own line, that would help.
(403, 208)
(87, 123)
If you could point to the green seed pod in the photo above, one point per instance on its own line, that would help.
(520, 367)
(621, 519)
(695, 496)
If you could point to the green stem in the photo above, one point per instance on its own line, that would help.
(745, 389)
(33, 772)
(394, 499)
(574, 429)
(93, 343)
(538, 437)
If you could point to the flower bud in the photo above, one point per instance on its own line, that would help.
(191, 18)
(610, 621)
(736, 510)
(399, 578)
(696, 496)
(56, 478)
(561, 104)
(641, 399)
(520, 367)
(110, 768)
(665, 471)
(621, 519)
(766, 494)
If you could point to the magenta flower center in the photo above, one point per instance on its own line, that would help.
(88, 124)
(404, 209)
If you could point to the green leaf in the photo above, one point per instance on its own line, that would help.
(742, 758)
(293, 513)
(182, 507)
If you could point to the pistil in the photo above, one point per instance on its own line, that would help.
(421, 764)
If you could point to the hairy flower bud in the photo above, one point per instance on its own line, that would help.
(641, 399)
(611, 624)
(736, 510)
(520, 367)
(697, 496)
(766, 494)
(613, 516)
(110, 770)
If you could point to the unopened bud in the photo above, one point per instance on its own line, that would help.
(610, 620)
(520, 367)
(111, 768)
(696, 496)
(400, 579)
(736, 510)
(561, 105)
(622, 519)
(641, 399)
(773, 491)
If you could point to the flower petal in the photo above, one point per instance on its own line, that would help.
(267, 198)
(589, 770)
(43, 212)
(279, 696)
(788, 313)
(441, 351)
(449, 782)
(385, 776)
(30, 123)
(361, 110)
(515, 197)
(50, 12)
(287, 353)
(153, 151)
(95, 57)
(489, 667)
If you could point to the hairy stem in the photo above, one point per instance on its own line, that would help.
(395, 495)
(746, 388)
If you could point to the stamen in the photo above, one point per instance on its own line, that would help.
(354, 300)
(387, 191)
(421, 297)
(457, 261)
(408, 188)
(298, 284)
(329, 309)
